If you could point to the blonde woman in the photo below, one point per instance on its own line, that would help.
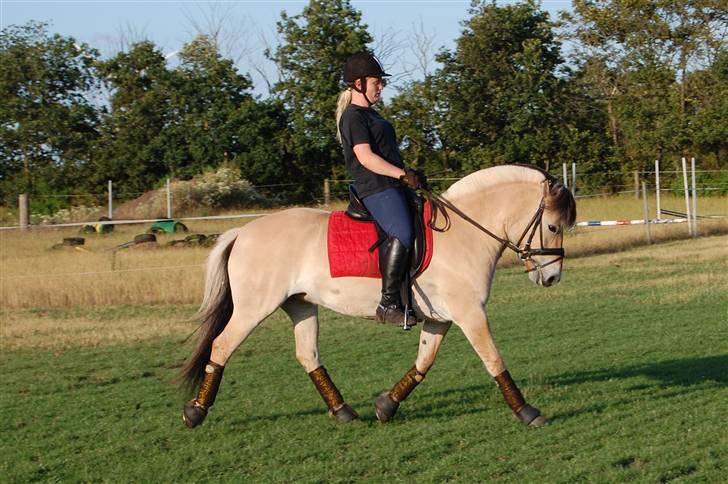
(373, 160)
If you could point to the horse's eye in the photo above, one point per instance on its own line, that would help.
(553, 228)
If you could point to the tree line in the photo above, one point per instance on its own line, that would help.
(610, 85)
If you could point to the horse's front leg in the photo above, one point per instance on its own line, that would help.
(474, 325)
(431, 337)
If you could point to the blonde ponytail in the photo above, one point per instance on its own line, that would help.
(341, 105)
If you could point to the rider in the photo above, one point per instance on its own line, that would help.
(374, 162)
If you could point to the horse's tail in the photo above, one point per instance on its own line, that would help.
(215, 311)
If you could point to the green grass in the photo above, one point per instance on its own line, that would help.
(628, 356)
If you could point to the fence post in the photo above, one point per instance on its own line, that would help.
(687, 196)
(23, 211)
(657, 188)
(327, 192)
(111, 201)
(169, 201)
(566, 176)
(636, 185)
(695, 200)
(573, 178)
(647, 212)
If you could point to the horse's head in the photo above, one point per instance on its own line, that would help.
(542, 241)
(533, 207)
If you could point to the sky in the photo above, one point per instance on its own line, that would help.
(250, 26)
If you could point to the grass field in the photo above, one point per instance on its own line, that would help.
(628, 355)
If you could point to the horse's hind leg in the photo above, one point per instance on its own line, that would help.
(431, 337)
(474, 325)
(236, 331)
(305, 329)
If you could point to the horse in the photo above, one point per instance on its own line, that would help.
(280, 261)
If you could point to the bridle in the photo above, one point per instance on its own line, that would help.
(526, 253)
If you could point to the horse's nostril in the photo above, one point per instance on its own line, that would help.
(552, 280)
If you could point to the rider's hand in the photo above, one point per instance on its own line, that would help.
(414, 179)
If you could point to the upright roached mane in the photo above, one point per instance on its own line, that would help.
(560, 198)
(280, 261)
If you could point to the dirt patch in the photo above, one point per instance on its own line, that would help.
(150, 205)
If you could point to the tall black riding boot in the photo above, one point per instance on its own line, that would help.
(393, 263)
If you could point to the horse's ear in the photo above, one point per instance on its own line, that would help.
(554, 180)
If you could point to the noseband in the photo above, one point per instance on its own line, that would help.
(525, 253)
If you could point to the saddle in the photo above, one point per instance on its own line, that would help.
(354, 238)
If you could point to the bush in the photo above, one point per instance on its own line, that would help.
(222, 188)
(67, 215)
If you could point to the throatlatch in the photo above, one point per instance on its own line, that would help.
(195, 410)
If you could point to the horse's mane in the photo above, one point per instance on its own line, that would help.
(559, 198)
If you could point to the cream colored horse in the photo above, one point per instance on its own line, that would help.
(280, 261)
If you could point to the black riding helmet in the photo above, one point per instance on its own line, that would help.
(361, 66)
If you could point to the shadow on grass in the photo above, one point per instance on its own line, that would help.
(685, 372)
(446, 403)
(472, 399)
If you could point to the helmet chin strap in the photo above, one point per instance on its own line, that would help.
(363, 90)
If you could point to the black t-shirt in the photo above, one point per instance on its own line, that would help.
(364, 125)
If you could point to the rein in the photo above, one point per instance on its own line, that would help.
(525, 253)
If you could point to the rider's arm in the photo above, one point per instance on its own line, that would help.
(376, 163)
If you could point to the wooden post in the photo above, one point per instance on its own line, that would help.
(695, 199)
(687, 196)
(573, 178)
(23, 211)
(636, 185)
(327, 192)
(566, 177)
(657, 188)
(111, 201)
(169, 201)
(647, 212)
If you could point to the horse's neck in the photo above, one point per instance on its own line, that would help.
(498, 206)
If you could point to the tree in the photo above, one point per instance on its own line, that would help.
(416, 118)
(46, 118)
(498, 88)
(181, 122)
(639, 56)
(217, 120)
(133, 148)
(707, 110)
(315, 45)
(207, 92)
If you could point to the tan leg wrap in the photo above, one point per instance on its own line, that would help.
(210, 385)
(404, 387)
(510, 391)
(327, 389)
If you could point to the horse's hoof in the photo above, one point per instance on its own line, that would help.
(385, 407)
(531, 416)
(193, 414)
(345, 414)
(539, 421)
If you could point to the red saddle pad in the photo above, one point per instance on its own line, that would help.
(349, 242)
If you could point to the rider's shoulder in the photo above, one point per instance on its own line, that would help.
(355, 113)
